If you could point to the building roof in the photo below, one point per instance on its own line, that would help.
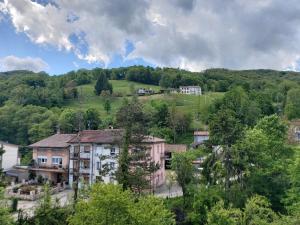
(54, 141)
(175, 148)
(152, 139)
(6, 143)
(201, 133)
(106, 136)
(189, 86)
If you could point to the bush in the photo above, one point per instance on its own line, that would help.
(40, 179)
(14, 205)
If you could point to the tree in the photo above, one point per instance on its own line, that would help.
(109, 204)
(225, 129)
(5, 217)
(135, 162)
(292, 200)
(257, 211)
(48, 212)
(292, 108)
(219, 215)
(71, 120)
(261, 159)
(184, 169)
(92, 119)
(102, 84)
(107, 105)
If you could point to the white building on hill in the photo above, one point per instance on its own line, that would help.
(10, 158)
(190, 90)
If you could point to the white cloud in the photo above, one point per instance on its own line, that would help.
(192, 34)
(15, 63)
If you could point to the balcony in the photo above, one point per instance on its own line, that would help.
(74, 155)
(84, 170)
(50, 168)
(83, 155)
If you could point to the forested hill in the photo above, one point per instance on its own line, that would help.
(26, 87)
(32, 105)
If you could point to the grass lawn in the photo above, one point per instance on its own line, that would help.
(185, 103)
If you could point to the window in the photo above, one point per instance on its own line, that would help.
(42, 160)
(112, 151)
(98, 165)
(87, 149)
(112, 165)
(57, 160)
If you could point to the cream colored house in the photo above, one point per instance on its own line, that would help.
(10, 158)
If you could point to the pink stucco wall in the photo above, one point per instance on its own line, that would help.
(157, 155)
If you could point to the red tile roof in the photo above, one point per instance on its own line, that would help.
(106, 136)
(55, 141)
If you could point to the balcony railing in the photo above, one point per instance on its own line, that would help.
(84, 170)
(45, 166)
(83, 155)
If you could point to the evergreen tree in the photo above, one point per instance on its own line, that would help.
(102, 84)
(135, 163)
(107, 105)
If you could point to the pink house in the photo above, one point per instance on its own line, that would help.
(157, 152)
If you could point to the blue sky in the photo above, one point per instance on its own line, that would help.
(58, 35)
(59, 61)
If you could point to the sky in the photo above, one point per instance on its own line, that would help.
(57, 36)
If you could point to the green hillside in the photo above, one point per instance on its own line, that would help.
(184, 103)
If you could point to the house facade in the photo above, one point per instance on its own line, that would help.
(51, 157)
(90, 155)
(190, 90)
(200, 137)
(94, 156)
(10, 158)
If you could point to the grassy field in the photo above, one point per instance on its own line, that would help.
(185, 103)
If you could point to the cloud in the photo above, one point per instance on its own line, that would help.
(15, 63)
(192, 34)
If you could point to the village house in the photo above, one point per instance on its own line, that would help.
(190, 90)
(10, 158)
(200, 137)
(144, 91)
(92, 150)
(170, 149)
(51, 157)
(83, 156)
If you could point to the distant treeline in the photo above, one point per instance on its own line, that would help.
(220, 80)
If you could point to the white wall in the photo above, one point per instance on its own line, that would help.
(10, 157)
